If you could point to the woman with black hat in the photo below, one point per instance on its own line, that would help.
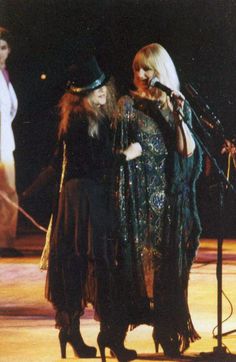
(81, 265)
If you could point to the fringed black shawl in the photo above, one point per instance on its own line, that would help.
(158, 226)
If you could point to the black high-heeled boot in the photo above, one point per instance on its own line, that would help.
(169, 345)
(174, 349)
(71, 334)
(81, 349)
(114, 340)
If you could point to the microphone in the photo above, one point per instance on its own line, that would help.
(154, 82)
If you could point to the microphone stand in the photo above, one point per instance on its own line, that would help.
(219, 352)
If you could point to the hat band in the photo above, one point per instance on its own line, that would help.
(91, 86)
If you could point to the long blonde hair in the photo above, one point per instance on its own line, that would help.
(78, 103)
(155, 57)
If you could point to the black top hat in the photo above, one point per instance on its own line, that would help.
(86, 76)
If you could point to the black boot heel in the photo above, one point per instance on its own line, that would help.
(102, 347)
(155, 339)
(63, 342)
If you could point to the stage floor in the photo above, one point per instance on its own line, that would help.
(27, 332)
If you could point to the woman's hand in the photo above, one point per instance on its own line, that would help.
(133, 151)
(230, 148)
(177, 100)
(184, 139)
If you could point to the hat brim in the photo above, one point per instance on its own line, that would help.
(102, 80)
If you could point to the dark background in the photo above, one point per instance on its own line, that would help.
(199, 35)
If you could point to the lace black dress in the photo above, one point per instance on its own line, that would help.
(80, 253)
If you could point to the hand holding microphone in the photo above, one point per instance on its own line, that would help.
(176, 97)
(184, 140)
(155, 83)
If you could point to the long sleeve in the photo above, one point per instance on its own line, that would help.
(48, 175)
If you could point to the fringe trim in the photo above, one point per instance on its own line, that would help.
(188, 337)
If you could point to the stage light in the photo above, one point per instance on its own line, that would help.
(43, 76)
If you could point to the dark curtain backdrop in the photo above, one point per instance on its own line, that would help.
(48, 34)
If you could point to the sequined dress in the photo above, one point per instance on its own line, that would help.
(157, 222)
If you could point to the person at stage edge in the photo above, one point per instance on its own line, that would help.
(8, 109)
(79, 246)
(159, 227)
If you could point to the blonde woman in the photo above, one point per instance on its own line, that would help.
(155, 197)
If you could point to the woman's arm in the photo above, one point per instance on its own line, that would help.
(125, 143)
(47, 175)
(184, 140)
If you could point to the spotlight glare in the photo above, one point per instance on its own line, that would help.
(43, 76)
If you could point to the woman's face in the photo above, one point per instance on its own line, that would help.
(98, 97)
(143, 77)
(4, 52)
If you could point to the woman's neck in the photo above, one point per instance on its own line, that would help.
(161, 98)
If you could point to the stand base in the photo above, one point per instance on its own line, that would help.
(219, 354)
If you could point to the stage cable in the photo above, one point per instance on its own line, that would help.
(19, 208)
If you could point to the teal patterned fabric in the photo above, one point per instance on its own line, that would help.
(158, 226)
